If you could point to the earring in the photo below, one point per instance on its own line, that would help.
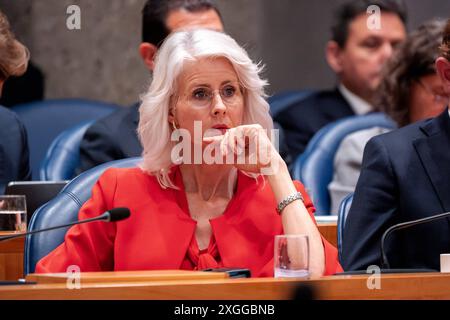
(172, 112)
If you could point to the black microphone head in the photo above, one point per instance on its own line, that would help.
(118, 214)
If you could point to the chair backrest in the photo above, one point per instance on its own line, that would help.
(344, 208)
(314, 168)
(63, 155)
(44, 120)
(61, 210)
(278, 102)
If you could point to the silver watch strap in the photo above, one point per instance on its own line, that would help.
(288, 200)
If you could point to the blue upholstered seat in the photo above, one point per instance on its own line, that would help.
(61, 210)
(44, 120)
(278, 102)
(344, 208)
(63, 155)
(314, 168)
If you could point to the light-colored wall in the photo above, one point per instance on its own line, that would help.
(101, 60)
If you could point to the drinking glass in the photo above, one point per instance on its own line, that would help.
(13, 213)
(291, 256)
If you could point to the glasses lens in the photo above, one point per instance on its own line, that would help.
(230, 95)
(200, 98)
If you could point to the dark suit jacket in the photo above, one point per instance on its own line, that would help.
(111, 138)
(14, 154)
(405, 176)
(303, 119)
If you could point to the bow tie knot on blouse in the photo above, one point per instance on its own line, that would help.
(197, 259)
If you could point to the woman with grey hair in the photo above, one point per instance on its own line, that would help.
(14, 159)
(212, 190)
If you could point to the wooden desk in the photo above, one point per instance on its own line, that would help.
(11, 259)
(395, 286)
(329, 232)
(11, 252)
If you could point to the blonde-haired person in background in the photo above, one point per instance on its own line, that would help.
(14, 155)
(186, 212)
(14, 55)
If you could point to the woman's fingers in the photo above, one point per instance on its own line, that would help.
(213, 139)
(248, 140)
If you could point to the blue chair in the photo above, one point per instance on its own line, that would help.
(61, 210)
(63, 155)
(278, 102)
(344, 208)
(44, 120)
(314, 168)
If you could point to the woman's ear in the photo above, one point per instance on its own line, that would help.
(148, 54)
(333, 55)
(443, 70)
(171, 117)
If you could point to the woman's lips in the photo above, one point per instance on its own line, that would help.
(221, 127)
(223, 130)
(215, 131)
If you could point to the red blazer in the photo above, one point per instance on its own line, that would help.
(159, 231)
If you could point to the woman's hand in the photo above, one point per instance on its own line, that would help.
(261, 157)
(248, 148)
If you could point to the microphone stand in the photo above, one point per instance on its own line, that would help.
(404, 225)
(103, 217)
(386, 268)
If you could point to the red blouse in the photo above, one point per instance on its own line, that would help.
(202, 259)
(160, 233)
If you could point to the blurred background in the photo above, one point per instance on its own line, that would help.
(101, 61)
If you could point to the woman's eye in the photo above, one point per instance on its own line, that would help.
(200, 94)
(229, 91)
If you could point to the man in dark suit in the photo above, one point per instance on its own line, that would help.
(14, 155)
(405, 176)
(356, 53)
(114, 137)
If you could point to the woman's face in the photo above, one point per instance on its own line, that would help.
(427, 98)
(209, 92)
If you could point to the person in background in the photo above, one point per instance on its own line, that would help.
(28, 87)
(410, 91)
(14, 154)
(356, 54)
(115, 137)
(405, 176)
(188, 212)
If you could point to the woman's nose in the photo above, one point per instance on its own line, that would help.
(218, 106)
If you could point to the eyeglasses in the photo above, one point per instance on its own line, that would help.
(437, 98)
(202, 97)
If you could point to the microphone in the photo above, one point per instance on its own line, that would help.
(112, 215)
(403, 225)
(385, 267)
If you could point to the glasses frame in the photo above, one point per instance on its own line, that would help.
(186, 97)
